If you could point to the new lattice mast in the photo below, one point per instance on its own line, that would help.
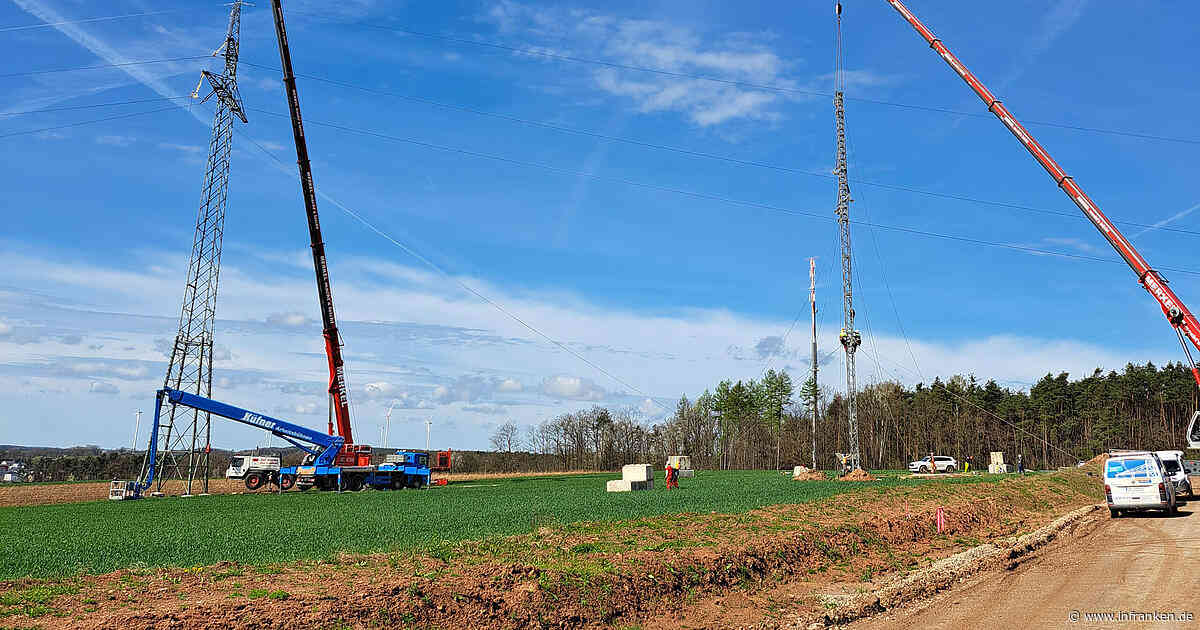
(849, 337)
(185, 434)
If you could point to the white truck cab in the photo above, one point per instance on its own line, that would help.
(1135, 481)
(255, 470)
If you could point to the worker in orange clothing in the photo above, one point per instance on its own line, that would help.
(672, 477)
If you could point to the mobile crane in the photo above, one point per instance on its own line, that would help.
(351, 454)
(404, 469)
(1187, 328)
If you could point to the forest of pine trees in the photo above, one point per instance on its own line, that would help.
(767, 423)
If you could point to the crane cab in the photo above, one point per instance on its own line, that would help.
(353, 455)
(1193, 431)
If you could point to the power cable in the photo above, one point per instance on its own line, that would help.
(710, 197)
(87, 122)
(533, 52)
(714, 156)
(102, 66)
(93, 106)
(466, 287)
(107, 18)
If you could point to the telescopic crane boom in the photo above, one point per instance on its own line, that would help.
(333, 344)
(1178, 315)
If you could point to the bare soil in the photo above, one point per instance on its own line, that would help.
(1143, 563)
(78, 492)
(857, 474)
(683, 571)
(812, 475)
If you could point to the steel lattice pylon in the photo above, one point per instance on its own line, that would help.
(849, 337)
(184, 433)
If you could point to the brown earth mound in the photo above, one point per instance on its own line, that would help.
(811, 475)
(857, 474)
(1097, 460)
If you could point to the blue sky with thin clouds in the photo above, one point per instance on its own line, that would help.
(656, 224)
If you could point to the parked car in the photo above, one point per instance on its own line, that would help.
(941, 462)
(1135, 481)
(1173, 465)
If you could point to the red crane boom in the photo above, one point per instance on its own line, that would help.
(333, 346)
(1178, 315)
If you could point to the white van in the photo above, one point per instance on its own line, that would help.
(1135, 480)
(1173, 466)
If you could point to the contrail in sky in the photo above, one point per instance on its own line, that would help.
(1171, 219)
(102, 50)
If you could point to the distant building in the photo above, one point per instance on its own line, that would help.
(13, 472)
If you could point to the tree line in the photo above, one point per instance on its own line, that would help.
(768, 423)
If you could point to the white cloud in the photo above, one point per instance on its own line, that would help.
(478, 358)
(291, 320)
(1074, 243)
(731, 57)
(572, 388)
(304, 409)
(190, 149)
(491, 410)
(98, 387)
(5, 329)
(471, 388)
(116, 141)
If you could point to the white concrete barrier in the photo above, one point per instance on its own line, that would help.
(637, 472)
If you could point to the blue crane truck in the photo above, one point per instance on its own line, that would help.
(402, 469)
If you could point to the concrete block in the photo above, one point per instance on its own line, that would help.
(687, 472)
(624, 485)
(637, 472)
(618, 485)
(998, 469)
(680, 462)
(997, 457)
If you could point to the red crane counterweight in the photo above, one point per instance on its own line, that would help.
(1178, 315)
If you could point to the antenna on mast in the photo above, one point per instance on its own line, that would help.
(849, 337)
(812, 297)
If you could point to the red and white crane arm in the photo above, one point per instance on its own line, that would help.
(1177, 314)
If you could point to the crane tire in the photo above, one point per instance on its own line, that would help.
(254, 481)
(287, 481)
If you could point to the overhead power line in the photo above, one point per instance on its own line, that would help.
(88, 122)
(714, 156)
(534, 52)
(93, 106)
(102, 66)
(107, 18)
(710, 197)
(463, 285)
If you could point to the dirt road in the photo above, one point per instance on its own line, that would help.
(1142, 563)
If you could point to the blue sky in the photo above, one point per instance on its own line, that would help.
(633, 256)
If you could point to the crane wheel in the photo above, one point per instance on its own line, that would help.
(254, 481)
(287, 481)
